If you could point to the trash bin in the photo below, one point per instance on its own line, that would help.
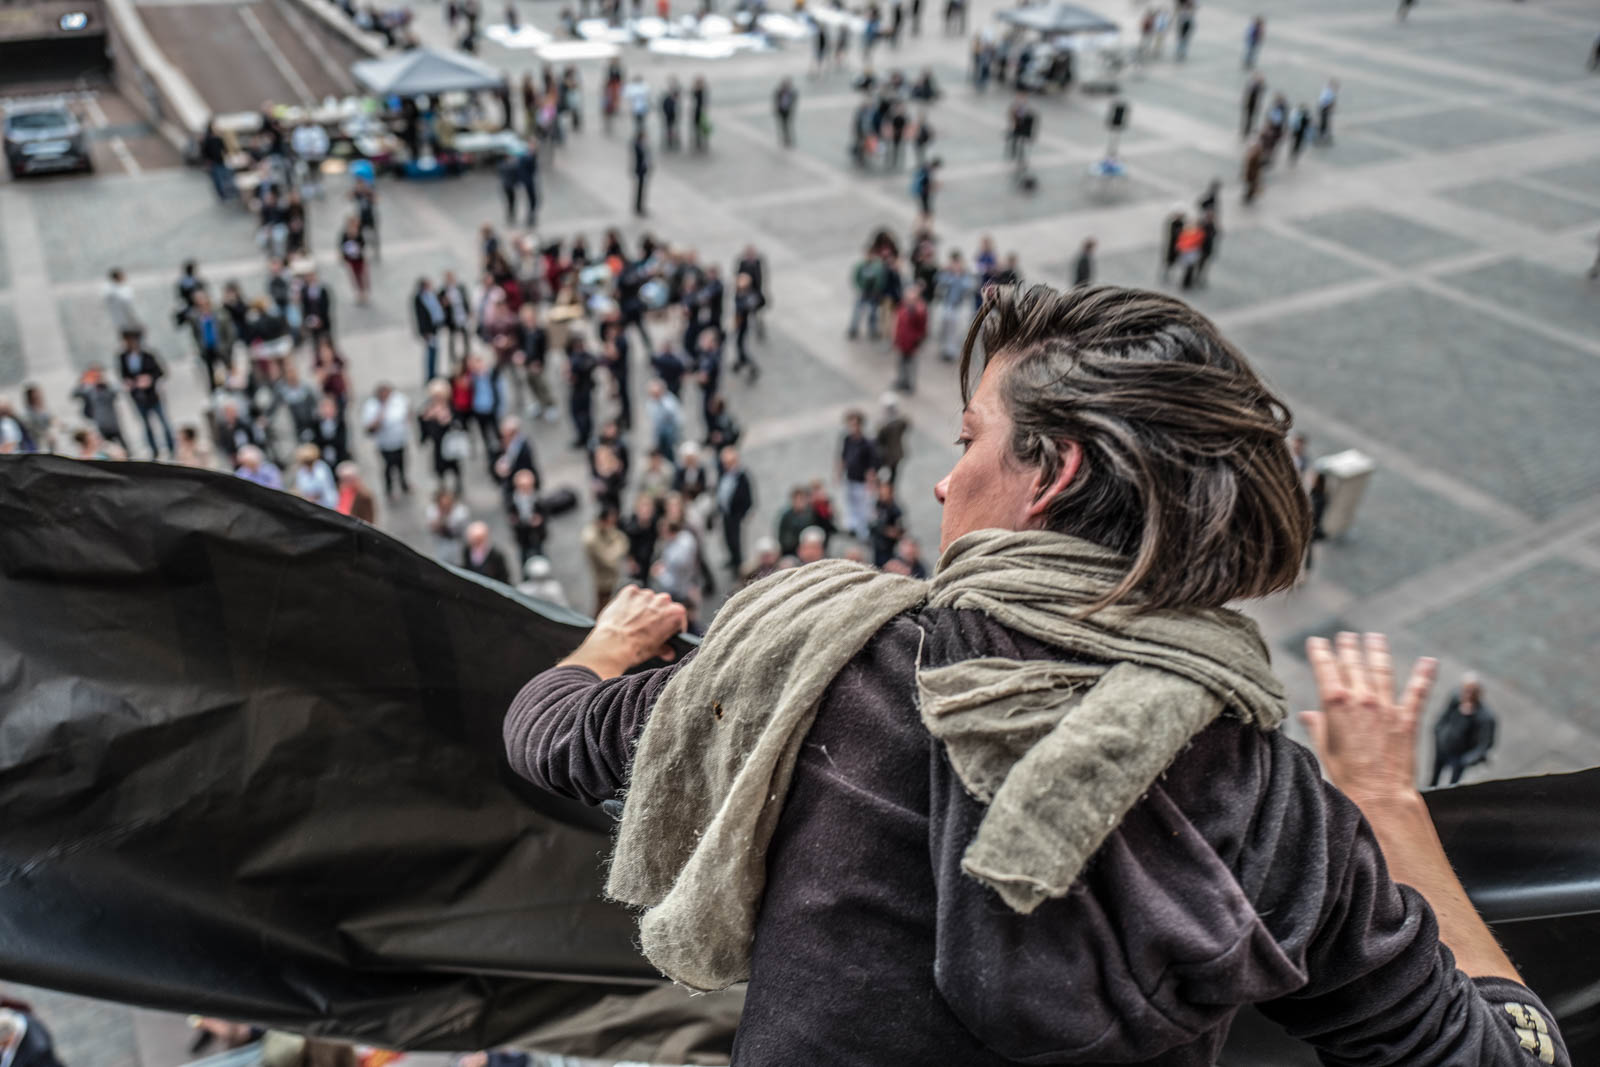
(1345, 476)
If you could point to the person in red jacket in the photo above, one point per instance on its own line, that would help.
(910, 329)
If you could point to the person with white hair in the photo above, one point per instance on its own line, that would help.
(313, 479)
(813, 544)
(252, 465)
(539, 580)
(1464, 732)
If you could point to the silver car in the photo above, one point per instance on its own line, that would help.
(45, 137)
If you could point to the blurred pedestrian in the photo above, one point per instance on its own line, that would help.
(355, 499)
(856, 467)
(481, 556)
(387, 419)
(605, 547)
(1326, 101)
(1254, 34)
(1083, 266)
(141, 374)
(910, 330)
(1464, 732)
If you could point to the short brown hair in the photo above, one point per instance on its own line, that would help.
(1185, 467)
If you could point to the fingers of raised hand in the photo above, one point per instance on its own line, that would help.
(1352, 668)
(1325, 669)
(1380, 665)
(1417, 690)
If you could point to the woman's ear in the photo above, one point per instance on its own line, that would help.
(1044, 492)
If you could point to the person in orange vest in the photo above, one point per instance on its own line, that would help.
(1190, 240)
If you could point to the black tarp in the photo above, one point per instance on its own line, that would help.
(250, 766)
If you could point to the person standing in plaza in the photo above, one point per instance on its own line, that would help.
(671, 108)
(428, 317)
(141, 374)
(1326, 101)
(387, 419)
(1083, 266)
(910, 330)
(856, 467)
(1173, 228)
(507, 173)
(699, 113)
(637, 94)
(1299, 128)
(605, 547)
(1255, 161)
(457, 315)
(118, 299)
(641, 172)
(953, 290)
(1185, 28)
(925, 182)
(747, 304)
(890, 437)
(1254, 34)
(735, 499)
(1404, 9)
(528, 178)
(525, 514)
(353, 249)
(783, 105)
(482, 557)
(581, 366)
(1210, 234)
(1254, 90)
(1464, 732)
(214, 337)
(871, 280)
(316, 308)
(1190, 242)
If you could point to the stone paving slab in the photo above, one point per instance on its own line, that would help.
(1533, 207)
(1218, 111)
(1385, 235)
(1530, 629)
(1184, 166)
(827, 223)
(1556, 58)
(1456, 389)
(155, 223)
(1451, 128)
(1557, 297)
(1251, 266)
(1354, 150)
(1582, 177)
(761, 171)
(1067, 188)
(1402, 530)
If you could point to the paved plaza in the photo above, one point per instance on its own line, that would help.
(1416, 290)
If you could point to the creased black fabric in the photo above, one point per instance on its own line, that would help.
(251, 764)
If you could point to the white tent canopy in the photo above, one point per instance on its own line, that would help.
(424, 72)
(1058, 19)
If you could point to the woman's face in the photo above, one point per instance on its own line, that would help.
(987, 488)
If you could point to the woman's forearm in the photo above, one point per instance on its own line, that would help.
(1415, 857)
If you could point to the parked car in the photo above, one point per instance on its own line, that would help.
(45, 136)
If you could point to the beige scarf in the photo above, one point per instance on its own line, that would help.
(1058, 751)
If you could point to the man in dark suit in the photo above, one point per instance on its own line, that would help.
(528, 178)
(735, 498)
(516, 454)
(641, 170)
(457, 313)
(481, 557)
(428, 314)
(316, 309)
(141, 374)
